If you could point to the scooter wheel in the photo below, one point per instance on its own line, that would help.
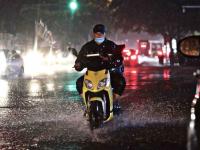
(96, 115)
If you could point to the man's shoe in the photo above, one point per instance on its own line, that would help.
(116, 108)
(86, 115)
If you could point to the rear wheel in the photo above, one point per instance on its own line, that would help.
(96, 115)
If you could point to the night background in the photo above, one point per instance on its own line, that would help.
(166, 18)
(40, 108)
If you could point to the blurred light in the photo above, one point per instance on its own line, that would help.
(134, 71)
(194, 101)
(73, 5)
(174, 45)
(183, 10)
(164, 49)
(127, 52)
(192, 124)
(166, 74)
(50, 58)
(143, 46)
(197, 96)
(133, 57)
(168, 49)
(36, 63)
(192, 110)
(32, 62)
(137, 52)
(50, 87)
(18, 51)
(193, 117)
(4, 90)
(150, 52)
(160, 53)
(4, 99)
(126, 58)
(142, 59)
(34, 88)
(3, 63)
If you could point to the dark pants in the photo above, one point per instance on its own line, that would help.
(118, 83)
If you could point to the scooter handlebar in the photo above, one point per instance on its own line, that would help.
(95, 55)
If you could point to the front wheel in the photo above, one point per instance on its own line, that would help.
(96, 115)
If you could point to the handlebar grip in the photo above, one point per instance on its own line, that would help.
(95, 55)
(92, 55)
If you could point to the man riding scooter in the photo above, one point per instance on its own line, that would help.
(102, 46)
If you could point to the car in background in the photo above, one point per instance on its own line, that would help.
(12, 64)
(160, 56)
(15, 64)
(156, 50)
(130, 57)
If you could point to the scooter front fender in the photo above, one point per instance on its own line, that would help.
(103, 105)
(96, 99)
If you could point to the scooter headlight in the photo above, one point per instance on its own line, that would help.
(102, 83)
(88, 84)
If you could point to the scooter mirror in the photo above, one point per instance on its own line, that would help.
(73, 50)
(190, 46)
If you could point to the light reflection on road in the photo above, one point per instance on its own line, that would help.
(34, 88)
(135, 76)
(50, 86)
(166, 74)
(48, 108)
(131, 78)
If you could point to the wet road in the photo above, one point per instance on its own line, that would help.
(45, 112)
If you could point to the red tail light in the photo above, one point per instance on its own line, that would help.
(136, 52)
(133, 57)
(127, 52)
(160, 53)
(150, 52)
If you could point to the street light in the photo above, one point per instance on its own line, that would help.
(73, 5)
(184, 7)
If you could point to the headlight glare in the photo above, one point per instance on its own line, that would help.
(102, 83)
(88, 84)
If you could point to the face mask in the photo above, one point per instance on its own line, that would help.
(99, 40)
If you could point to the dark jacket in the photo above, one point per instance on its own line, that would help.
(96, 63)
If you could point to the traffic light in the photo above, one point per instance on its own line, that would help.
(73, 5)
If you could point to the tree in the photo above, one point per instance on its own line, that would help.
(57, 16)
(156, 17)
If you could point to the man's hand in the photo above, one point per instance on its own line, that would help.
(78, 67)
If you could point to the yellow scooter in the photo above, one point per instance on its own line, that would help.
(98, 96)
(97, 93)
